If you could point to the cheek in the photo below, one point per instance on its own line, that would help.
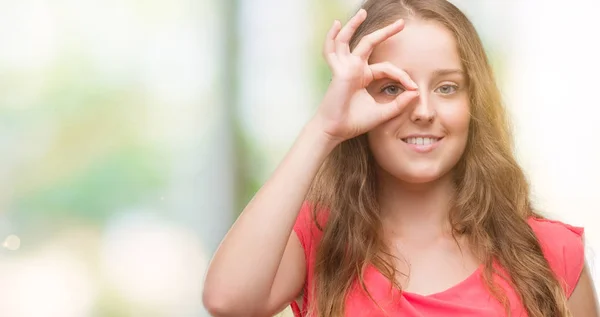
(377, 136)
(455, 117)
(386, 130)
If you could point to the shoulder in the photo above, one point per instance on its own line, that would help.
(309, 225)
(563, 248)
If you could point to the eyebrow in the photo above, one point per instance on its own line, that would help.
(436, 73)
(444, 72)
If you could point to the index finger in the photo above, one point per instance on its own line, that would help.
(388, 70)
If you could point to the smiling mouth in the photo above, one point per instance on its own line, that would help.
(421, 140)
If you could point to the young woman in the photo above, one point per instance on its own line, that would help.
(402, 196)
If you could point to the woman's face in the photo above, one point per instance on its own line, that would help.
(428, 138)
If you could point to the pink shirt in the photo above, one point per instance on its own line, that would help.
(562, 245)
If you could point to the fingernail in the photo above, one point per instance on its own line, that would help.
(414, 85)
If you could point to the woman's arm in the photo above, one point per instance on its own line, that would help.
(260, 264)
(583, 301)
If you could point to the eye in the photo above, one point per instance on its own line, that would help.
(392, 90)
(447, 89)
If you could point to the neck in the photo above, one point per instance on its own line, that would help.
(415, 210)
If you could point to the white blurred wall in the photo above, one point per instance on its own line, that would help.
(276, 96)
(552, 89)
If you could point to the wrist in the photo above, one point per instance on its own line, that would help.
(314, 132)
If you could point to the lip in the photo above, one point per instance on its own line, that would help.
(423, 148)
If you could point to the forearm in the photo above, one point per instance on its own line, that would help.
(259, 236)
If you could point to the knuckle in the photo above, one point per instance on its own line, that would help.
(368, 40)
(343, 74)
(336, 39)
(341, 37)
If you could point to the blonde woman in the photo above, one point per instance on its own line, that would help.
(402, 196)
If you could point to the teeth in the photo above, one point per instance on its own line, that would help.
(421, 141)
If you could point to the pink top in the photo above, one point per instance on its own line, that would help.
(562, 245)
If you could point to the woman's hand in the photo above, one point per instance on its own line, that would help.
(347, 109)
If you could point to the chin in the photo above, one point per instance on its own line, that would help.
(419, 178)
(421, 175)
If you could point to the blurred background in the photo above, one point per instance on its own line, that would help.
(133, 132)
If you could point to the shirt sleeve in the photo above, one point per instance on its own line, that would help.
(303, 225)
(563, 248)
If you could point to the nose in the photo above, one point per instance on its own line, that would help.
(423, 111)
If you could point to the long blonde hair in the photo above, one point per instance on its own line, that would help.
(492, 201)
